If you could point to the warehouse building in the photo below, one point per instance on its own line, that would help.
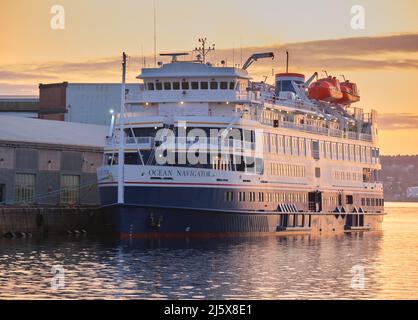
(49, 163)
(82, 102)
(412, 193)
(19, 106)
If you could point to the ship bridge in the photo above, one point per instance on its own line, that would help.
(192, 88)
(193, 82)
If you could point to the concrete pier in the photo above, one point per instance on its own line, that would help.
(25, 222)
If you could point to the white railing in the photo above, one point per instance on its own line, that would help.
(140, 142)
(213, 143)
(192, 95)
(317, 130)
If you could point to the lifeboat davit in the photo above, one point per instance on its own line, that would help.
(350, 93)
(326, 89)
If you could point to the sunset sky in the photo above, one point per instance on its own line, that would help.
(382, 58)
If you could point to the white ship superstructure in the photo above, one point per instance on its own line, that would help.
(204, 149)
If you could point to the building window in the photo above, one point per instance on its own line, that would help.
(349, 199)
(2, 194)
(70, 189)
(25, 187)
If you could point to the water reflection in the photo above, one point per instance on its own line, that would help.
(244, 268)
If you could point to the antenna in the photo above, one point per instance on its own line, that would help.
(202, 50)
(155, 33)
(240, 45)
(287, 61)
(326, 73)
(343, 76)
(142, 60)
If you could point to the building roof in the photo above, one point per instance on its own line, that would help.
(191, 69)
(25, 98)
(19, 104)
(17, 129)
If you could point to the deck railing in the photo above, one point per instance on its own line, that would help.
(317, 130)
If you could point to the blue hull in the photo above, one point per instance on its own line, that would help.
(135, 221)
(184, 211)
(176, 211)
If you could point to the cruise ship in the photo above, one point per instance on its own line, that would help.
(205, 150)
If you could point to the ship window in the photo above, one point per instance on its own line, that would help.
(228, 196)
(367, 175)
(224, 85)
(286, 85)
(315, 150)
(204, 85)
(214, 85)
(176, 85)
(159, 86)
(242, 196)
(249, 136)
(232, 85)
(150, 86)
(111, 159)
(185, 86)
(167, 85)
(132, 158)
(195, 85)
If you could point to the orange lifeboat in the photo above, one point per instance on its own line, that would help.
(350, 93)
(326, 89)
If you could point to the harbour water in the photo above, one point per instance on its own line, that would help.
(300, 267)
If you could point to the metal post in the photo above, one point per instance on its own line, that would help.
(121, 154)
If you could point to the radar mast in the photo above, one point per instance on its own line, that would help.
(203, 50)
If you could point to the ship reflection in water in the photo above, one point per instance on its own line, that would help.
(247, 268)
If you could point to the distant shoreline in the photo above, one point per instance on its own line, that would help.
(401, 204)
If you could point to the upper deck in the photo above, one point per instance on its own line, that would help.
(192, 88)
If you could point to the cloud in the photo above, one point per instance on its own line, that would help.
(106, 65)
(361, 45)
(360, 53)
(13, 75)
(18, 89)
(398, 121)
